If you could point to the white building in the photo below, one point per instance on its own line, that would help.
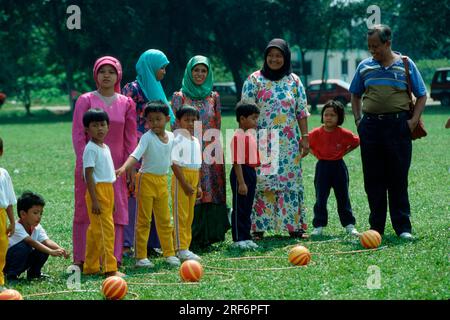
(341, 64)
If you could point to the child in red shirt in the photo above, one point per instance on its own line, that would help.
(245, 158)
(329, 143)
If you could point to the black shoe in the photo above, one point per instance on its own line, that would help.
(12, 277)
(41, 276)
(299, 234)
(154, 252)
(258, 235)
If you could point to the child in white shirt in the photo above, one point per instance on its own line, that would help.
(187, 161)
(98, 169)
(155, 148)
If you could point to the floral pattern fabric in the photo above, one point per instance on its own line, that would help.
(279, 193)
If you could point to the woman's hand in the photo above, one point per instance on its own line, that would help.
(199, 192)
(304, 142)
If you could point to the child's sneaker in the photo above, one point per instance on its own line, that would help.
(240, 245)
(144, 263)
(184, 255)
(406, 236)
(173, 261)
(250, 244)
(115, 274)
(351, 230)
(317, 231)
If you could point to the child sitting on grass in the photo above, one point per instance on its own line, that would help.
(29, 246)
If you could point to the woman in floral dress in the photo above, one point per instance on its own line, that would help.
(210, 213)
(280, 95)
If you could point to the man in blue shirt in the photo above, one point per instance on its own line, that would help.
(380, 104)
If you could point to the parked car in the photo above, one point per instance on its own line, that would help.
(227, 92)
(335, 89)
(2, 98)
(440, 86)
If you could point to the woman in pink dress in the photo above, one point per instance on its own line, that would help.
(121, 139)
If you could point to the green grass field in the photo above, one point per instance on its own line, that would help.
(38, 155)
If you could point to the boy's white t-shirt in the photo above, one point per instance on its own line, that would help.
(7, 195)
(100, 159)
(38, 234)
(186, 152)
(156, 155)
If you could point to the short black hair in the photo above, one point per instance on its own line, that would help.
(94, 115)
(338, 107)
(188, 110)
(156, 106)
(246, 109)
(384, 32)
(27, 200)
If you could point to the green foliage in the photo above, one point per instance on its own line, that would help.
(43, 57)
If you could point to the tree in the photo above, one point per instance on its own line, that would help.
(23, 59)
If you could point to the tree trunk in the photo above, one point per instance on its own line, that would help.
(27, 99)
(69, 86)
(231, 60)
(64, 50)
(305, 76)
(325, 64)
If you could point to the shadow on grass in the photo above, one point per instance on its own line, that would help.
(439, 110)
(392, 240)
(37, 117)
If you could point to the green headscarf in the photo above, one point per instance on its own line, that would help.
(188, 86)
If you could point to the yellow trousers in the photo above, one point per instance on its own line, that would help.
(183, 209)
(3, 244)
(152, 196)
(100, 233)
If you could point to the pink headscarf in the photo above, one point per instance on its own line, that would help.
(113, 62)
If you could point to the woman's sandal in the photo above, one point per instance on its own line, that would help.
(258, 235)
(300, 234)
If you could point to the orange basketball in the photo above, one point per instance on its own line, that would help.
(370, 239)
(299, 256)
(10, 294)
(114, 288)
(191, 271)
